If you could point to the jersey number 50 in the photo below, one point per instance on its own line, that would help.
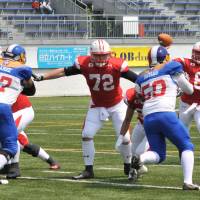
(154, 89)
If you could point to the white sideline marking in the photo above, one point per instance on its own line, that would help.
(102, 183)
(57, 172)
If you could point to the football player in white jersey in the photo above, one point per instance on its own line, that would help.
(15, 78)
(158, 86)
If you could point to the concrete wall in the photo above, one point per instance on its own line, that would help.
(76, 85)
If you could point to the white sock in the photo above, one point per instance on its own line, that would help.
(43, 154)
(16, 157)
(142, 147)
(187, 162)
(88, 152)
(3, 161)
(150, 157)
(125, 151)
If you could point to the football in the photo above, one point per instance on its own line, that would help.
(165, 39)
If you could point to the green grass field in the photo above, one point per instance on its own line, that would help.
(57, 128)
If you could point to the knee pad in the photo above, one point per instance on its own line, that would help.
(187, 146)
(87, 134)
(32, 149)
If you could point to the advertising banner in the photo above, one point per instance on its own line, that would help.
(135, 56)
(58, 57)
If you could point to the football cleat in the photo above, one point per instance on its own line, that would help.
(84, 175)
(13, 171)
(127, 168)
(4, 170)
(143, 170)
(133, 175)
(135, 162)
(187, 186)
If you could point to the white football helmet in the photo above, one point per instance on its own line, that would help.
(196, 53)
(15, 52)
(157, 54)
(100, 52)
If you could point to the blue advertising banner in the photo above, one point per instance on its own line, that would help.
(58, 57)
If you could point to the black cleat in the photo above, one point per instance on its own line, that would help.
(84, 175)
(13, 171)
(133, 175)
(135, 167)
(127, 167)
(4, 170)
(136, 163)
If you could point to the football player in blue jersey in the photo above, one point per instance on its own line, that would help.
(158, 86)
(15, 78)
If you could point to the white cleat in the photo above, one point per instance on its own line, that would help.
(143, 170)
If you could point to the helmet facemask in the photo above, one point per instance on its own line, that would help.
(100, 60)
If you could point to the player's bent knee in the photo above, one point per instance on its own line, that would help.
(187, 146)
(126, 139)
(87, 135)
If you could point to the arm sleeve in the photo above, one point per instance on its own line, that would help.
(131, 76)
(183, 83)
(25, 72)
(69, 71)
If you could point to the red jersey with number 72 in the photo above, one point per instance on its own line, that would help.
(103, 82)
(193, 74)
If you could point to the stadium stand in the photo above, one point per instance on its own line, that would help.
(94, 18)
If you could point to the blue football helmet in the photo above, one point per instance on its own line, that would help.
(157, 54)
(15, 52)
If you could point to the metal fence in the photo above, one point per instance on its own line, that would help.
(55, 27)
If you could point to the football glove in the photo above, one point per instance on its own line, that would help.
(37, 77)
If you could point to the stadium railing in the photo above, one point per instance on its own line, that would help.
(90, 26)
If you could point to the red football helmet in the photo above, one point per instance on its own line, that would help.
(100, 52)
(196, 53)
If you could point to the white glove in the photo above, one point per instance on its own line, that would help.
(119, 142)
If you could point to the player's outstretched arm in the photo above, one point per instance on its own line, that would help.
(56, 73)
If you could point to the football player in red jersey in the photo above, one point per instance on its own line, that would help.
(102, 73)
(190, 104)
(23, 114)
(138, 136)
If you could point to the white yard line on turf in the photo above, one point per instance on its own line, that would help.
(102, 183)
